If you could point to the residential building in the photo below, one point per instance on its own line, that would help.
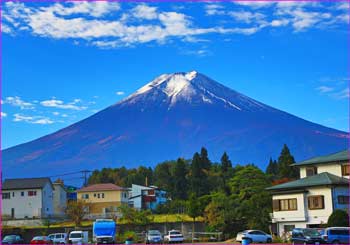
(310, 200)
(27, 198)
(144, 197)
(103, 199)
(71, 193)
(59, 198)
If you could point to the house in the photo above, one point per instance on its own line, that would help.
(27, 198)
(71, 193)
(143, 197)
(103, 199)
(310, 200)
(59, 198)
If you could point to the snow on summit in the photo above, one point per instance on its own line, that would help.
(192, 88)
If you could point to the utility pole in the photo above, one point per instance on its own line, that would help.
(85, 172)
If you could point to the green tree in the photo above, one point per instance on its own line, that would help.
(338, 218)
(198, 176)
(193, 210)
(162, 175)
(226, 171)
(205, 162)
(272, 169)
(285, 170)
(180, 183)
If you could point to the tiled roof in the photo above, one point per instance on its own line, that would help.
(25, 183)
(101, 187)
(315, 180)
(335, 157)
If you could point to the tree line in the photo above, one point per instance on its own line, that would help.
(230, 197)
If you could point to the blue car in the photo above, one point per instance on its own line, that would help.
(337, 235)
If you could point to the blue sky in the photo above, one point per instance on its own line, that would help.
(62, 62)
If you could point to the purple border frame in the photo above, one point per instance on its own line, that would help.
(152, 1)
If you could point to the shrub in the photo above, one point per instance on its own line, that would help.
(338, 218)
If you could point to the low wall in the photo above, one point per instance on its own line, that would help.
(184, 227)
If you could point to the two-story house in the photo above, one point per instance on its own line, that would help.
(103, 199)
(310, 200)
(59, 198)
(27, 198)
(144, 197)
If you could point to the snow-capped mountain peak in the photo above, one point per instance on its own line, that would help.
(193, 88)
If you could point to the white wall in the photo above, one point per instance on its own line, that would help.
(47, 200)
(23, 205)
(295, 215)
(320, 216)
(321, 168)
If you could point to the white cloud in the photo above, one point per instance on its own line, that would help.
(247, 16)
(255, 4)
(3, 114)
(32, 119)
(343, 94)
(61, 105)
(325, 89)
(95, 9)
(55, 113)
(143, 11)
(87, 22)
(120, 93)
(18, 102)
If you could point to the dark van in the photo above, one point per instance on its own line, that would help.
(307, 236)
(337, 235)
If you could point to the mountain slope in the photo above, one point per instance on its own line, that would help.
(172, 116)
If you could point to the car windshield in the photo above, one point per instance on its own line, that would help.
(75, 235)
(9, 238)
(39, 238)
(175, 233)
(311, 232)
(153, 233)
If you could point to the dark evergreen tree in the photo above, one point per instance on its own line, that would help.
(285, 170)
(205, 162)
(180, 183)
(226, 172)
(197, 175)
(272, 169)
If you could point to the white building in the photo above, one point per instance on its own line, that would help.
(309, 201)
(27, 198)
(144, 197)
(59, 199)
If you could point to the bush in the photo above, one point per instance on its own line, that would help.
(338, 218)
(121, 238)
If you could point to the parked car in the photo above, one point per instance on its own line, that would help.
(174, 236)
(81, 237)
(307, 236)
(12, 239)
(254, 236)
(337, 235)
(41, 240)
(59, 238)
(153, 236)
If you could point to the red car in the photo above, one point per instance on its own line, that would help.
(41, 240)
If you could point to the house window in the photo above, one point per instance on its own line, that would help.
(85, 196)
(343, 199)
(22, 193)
(31, 193)
(102, 195)
(310, 171)
(345, 170)
(94, 194)
(285, 205)
(316, 202)
(98, 195)
(13, 194)
(6, 195)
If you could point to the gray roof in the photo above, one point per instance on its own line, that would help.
(315, 180)
(27, 183)
(341, 156)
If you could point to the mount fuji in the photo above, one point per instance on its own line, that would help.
(173, 116)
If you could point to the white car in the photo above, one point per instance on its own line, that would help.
(78, 237)
(58, 238)
(254, 236)
(174, 236)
